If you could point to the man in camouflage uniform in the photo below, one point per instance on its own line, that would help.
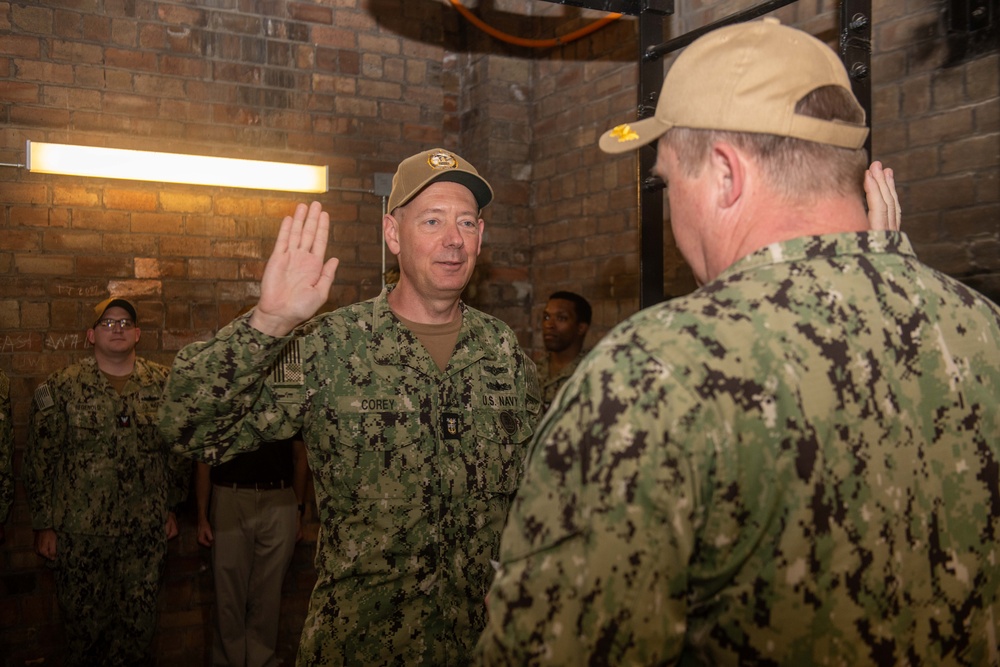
(565, 322)
(100, 483)
(796, 464)
(415, 409)
(6, 453)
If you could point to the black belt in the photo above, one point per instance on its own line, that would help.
(258, 486)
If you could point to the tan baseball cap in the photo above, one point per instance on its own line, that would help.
(746, 78)
(418, 171)
(111, 302)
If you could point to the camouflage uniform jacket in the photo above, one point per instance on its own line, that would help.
(797, 464)
(414, 468)
(95, 462)
(552, 384)
(6, 449)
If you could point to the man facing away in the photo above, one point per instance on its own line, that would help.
(565, 322)
(415, 409)
(101, 484)
(796, 464)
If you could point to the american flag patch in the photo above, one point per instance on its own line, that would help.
(287, 369)
(43, 399)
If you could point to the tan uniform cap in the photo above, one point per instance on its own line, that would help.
(418, 171)
(111, 302)
(746, 78)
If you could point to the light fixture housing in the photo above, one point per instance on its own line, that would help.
(133, 165)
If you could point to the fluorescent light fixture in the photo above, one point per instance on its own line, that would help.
(133, 165)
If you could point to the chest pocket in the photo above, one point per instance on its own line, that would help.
(379, 456)
(502, 438)
(88, 426)
(145, 421)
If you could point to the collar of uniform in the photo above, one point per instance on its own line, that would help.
(827, 246)
(394, 345)
(140, 372)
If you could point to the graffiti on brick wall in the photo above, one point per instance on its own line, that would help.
(15, 343)
(65, 342)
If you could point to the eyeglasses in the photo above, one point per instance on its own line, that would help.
(109, 323)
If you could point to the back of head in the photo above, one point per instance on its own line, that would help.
(774, 91)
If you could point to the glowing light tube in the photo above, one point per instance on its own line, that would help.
(135, 165)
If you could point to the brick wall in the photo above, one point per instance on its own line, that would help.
(358, 85)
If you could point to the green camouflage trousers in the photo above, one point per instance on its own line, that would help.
(107, 589)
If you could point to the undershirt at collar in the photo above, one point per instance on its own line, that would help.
(438, 339)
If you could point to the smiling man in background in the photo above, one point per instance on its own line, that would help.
(101, 484)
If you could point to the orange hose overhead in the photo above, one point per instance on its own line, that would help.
(533, 43)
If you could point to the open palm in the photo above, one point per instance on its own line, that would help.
(296, 280)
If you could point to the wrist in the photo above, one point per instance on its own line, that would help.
(271, 325)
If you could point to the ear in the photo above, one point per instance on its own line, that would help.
(390, 232)
(137, 332)
(479, 246)
(90, 336)
(582, 328)
(728, 172)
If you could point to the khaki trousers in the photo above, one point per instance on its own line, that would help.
(254, 543)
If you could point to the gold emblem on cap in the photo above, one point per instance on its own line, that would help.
(442, 161)
(624, 133)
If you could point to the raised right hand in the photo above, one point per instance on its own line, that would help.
(296, 281)
(884, 213)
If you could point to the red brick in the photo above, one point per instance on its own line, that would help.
(212, 269)
(180, 202)
(311, 13)
(129, 244)
(14, 92)
(150, 267)
(71, 241)
(20, 45)
(183, 246)
(47, 264)
(74, 195)
(100, 220)
(130, 59)
(34, 116)
(157, 223)
(940, 127)
(247, 249)
(45, 72)
(211, 226)
(970, 154)
(101, 265)
(131, 200)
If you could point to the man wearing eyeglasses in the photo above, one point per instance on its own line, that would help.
(100, 483)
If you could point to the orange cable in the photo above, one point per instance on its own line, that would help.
(533, 43)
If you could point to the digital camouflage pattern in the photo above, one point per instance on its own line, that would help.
(414, 468)
(95, 463)
(797, 464)
(551, 384)
(107, 589)
(97, 472)
(6, 449)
